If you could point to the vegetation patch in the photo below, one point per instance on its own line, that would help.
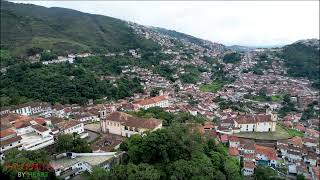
(280, 133)
(213, 87)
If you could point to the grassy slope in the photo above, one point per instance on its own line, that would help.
(213, 87)
(24, 26)
(280, 133)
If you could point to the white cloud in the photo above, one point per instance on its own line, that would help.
(229, 22)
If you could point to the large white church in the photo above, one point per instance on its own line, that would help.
(256, 123)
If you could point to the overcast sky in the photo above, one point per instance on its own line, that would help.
(251, 23)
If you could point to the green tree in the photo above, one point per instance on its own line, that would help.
(72, 143)
(231, 169)
(154, 92)
(97, 173)
(300, 177)
(265, 173)
(232, 57)
(47, 56)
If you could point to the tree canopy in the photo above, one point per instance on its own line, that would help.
(72, 143)
(232, 57)
(175, 153)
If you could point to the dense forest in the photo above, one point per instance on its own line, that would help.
(232, 57)
(25, 26)
(61, 83)
(303, 60)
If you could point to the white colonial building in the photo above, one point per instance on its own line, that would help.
(31, 108)
(125, 125)
(39, 138)
(256, 123)
(8, 140)
(72, 126)
(158, 101)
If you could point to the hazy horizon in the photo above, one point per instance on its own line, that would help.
(254, 24)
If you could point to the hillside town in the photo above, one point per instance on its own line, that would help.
(252, 132)
(248, 104)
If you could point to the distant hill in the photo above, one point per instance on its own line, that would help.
(302, 58)
(24, 26)
(179, 35)
(191, 39)
(238, 48)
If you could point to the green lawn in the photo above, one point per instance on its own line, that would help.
(213, 87)
(293, 133)
(276, 98)
(280, 133)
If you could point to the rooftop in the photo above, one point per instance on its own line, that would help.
(233, 151)
(30, 138)
(128, 120)
(67, 124)
(91, 159)
(269, 152)
(249, 165)
(151, 100)
(11, 140)
(39, 128)
(6, 132)
(247, 119)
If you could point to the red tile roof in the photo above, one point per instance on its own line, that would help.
(296, 141)
(234, 139)
(11, 140)
(224, 138)
(249, 165)
(151, 100)
(233, 151)
(6, 132)
(39, 128)
(249, 156)
(131, 121)
(67, 124)
(300, 128)
(249, 119)
(40, 120)
(22, 124)
(267, 151)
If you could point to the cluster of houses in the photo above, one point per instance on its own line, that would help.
(301, 155)
(33, 133)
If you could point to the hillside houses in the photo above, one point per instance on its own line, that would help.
(32, 108)
(158, 101)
